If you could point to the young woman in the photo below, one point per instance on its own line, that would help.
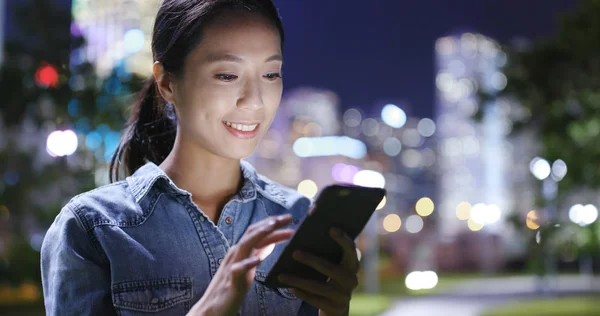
(189, 229)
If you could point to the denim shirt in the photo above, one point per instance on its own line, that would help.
(140, 246)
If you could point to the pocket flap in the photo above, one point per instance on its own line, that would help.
(151, 295)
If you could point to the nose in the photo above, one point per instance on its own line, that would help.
(251, 96)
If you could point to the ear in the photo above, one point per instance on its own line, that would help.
(164, 82)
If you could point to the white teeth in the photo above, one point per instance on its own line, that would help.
(241, 127)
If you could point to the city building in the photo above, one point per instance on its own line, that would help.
(116, 31)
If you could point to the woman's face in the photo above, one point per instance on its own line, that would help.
(231, 86)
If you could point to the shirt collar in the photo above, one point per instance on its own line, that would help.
(146, 177)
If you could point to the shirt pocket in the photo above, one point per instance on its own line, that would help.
(169, 296)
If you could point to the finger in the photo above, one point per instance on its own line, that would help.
(349, 258)
(276, 237)
(313, 287)
(320, 302)
(258, 231)
(240, 268)
(341, 275)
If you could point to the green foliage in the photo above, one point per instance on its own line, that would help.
(39, 185)
(558, 80)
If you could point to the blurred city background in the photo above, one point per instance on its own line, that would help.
(480, 118)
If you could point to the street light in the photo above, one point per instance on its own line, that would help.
(550, 175)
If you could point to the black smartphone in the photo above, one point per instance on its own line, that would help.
(344, 206)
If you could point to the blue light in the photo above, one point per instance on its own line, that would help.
(113, 86)
(393, 116)
(111, 142)
(11, 177)
(82, 126)
(329, 146)
(73, 107)
(102, 102)
(93, 140)
(134, 41)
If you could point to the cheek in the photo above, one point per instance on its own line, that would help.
(272, 99)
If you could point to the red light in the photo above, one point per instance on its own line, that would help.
(47, 76)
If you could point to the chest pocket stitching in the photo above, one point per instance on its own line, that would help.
(170, 292)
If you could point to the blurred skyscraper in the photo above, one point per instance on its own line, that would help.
(115, 30)
(480, 166)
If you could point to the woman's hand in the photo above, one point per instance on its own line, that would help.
(229, 286)
(332, 298)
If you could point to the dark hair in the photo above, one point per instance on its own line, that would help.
(150, 131)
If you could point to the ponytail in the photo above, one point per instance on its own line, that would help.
(149, 134)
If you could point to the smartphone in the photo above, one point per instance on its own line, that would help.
(344, 206)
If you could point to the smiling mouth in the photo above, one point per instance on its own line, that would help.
(242, 127)
(242, 131)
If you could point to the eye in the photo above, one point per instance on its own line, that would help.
(226, 77)
(272, 76)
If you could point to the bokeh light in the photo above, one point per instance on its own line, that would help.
(352, 118)
(421, 280)
(414, 224)
(61, 143)
(583, 215)
(391, 223)
(393, 116)
(474, 226)
(485, 214)
(46, 76)
(411, 138)
(426, 127)
(463, 211)
(532, 220)
(370, 127)
(559, 170)
(424, 206)
(412, 158)
(540, 168)
(308, 188)
(343, 172)
(329, 146)
(392, 146)
(133, 41)
(369, 178)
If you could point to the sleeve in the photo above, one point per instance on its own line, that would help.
(75, 279)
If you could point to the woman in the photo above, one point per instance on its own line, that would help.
(187, 231)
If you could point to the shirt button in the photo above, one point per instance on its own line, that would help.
(228, 220)
(220, 261)
(154, 300)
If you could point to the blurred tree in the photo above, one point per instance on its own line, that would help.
(557, 81)
(43, 90)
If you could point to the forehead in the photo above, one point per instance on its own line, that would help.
(243, 33)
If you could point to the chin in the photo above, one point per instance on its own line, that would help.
(238, 152)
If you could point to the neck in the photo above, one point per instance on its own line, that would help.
(212, 180)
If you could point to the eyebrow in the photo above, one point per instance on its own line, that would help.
(212, 58)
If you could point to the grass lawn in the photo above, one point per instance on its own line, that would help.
(392, 287)
(571, 306)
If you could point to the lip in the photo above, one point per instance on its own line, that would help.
(242, 134)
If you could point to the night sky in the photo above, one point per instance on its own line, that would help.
(369, 51)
